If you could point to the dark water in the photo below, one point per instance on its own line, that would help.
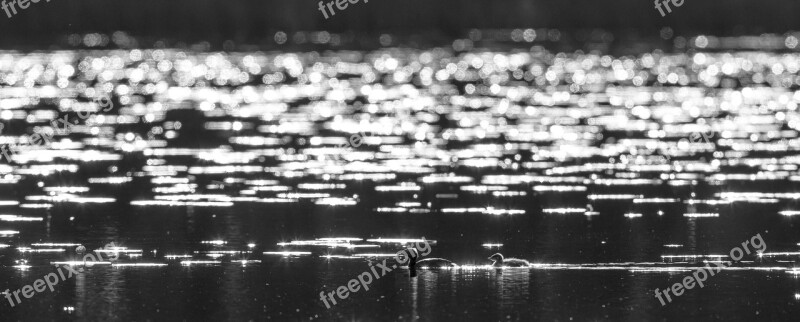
(288, 288)
(591, 167)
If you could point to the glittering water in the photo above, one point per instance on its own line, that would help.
(242, 184)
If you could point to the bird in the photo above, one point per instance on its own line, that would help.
(500, 261)
(430, 263)
(413, 254)
(435, 263)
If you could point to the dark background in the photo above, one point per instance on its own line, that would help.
(252, 20)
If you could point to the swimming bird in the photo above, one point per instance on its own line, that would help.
(413, 254)
(435, 263)
(431, 263)
(500, 261)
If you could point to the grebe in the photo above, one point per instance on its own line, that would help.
(500, 261)
(432, 263)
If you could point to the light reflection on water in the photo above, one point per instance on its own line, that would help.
(231, 178)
